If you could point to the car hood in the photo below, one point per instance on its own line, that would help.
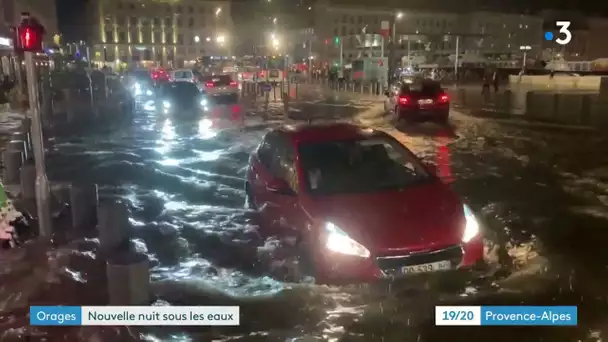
(418, 218)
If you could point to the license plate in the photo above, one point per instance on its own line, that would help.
(425, 268)
(425, 102)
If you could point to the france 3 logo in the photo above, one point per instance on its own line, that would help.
(564, 35)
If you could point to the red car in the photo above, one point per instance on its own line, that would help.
(362, 206)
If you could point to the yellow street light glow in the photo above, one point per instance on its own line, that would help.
(220, 39)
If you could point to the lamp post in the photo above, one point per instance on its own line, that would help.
(391, 52)
(525, 49)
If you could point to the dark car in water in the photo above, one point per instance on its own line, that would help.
(418, 100)
(182, 99)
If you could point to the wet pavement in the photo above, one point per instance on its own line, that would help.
(542, 193)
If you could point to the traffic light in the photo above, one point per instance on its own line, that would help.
(30, 34)
(326, 41)
(337, 40)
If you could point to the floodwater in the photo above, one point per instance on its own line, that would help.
(542, 194)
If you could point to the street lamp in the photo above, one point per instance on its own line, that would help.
(525, 49)
(398, 17)
(208, 39)
(274, 20)
(218, 11)
(220, 39)
(197, 39)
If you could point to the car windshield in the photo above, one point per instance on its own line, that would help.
(183, 74)
(422, 88)
(181, 90)
(359, 166)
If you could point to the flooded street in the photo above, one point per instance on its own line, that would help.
(542, 194)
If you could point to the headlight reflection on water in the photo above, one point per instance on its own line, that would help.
(167, 137)
(205, 129)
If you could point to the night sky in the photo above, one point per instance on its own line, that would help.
(72, 21)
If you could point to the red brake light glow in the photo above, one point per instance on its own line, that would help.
(209, 84)
(444, 98)
(233, 83)
(404, 100)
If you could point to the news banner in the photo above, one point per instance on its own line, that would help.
(229, 315)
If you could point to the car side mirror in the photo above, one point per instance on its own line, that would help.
(280, 187)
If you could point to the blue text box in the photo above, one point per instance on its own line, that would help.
(55, 315)
(529, 315)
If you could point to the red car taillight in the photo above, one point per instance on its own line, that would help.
(233, 84)
(403, 100)
(444, 98)
(209, 85)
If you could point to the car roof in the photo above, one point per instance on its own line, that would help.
(324, 132)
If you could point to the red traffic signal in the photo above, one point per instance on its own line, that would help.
(30, 35)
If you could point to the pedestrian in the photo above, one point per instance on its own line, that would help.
(6, 85)
(486, 84)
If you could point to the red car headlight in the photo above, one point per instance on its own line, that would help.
(336, 240)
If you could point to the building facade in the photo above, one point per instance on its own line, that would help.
(433, 34)
(161, 33)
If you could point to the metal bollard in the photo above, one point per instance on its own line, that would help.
(113, 226)
(128, 277)
(84, 199)
(11, 163)
(28, 181)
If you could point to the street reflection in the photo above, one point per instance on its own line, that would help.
(205, 129)
(167, 137)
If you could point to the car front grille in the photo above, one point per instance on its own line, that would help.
(453, 254)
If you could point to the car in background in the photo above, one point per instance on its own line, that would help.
(418, 100)
(361, 206)
(160, 76)
(183, 75)
(140, 84)
(181, 99)
(220, 86)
